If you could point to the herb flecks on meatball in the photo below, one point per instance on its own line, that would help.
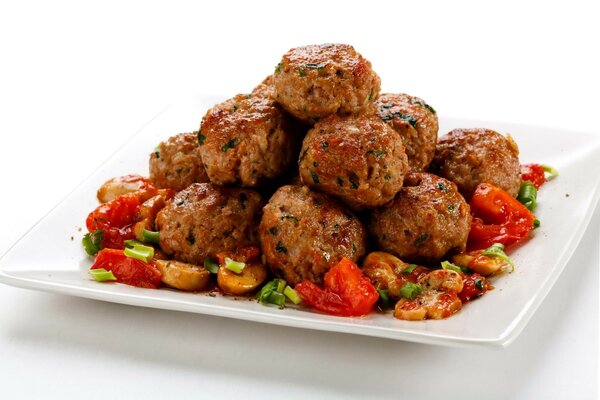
(176, 163)
(415, 121)
(427, 220)
(248, 139)
(360, 160)
(206, 219)
(304, 233)
(312, 82)
(469, 157)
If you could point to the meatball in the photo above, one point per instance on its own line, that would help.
(304, 233)
(248, 139)
(417, 124)
(427, 219)
(176, 163)
(360, 160)
(468, 157)
(312, 82)
(205, 219)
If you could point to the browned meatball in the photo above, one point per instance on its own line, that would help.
(360, 160)
(176, 162)
(415, 121)
(205, 219)
(304, 233)
(312, 82)
(469, 157)
(248, 139)
(427, 219)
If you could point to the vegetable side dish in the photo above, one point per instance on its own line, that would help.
(316, 189)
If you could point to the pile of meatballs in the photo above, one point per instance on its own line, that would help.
(315, 164)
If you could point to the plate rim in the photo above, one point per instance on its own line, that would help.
(502, 340)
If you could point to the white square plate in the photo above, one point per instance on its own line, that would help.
(59, 264)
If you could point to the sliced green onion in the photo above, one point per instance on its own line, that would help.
(410, 290)
(497, 250)
(275, 292)
(409, 269)
(150, 236)
(102, 275)
(140, 252)
(276, 298)
(527, 195)
(132, 243)
(452, 267)
(280, 285)
(263, 294)
(536, 223)
(211, 266)
(552, 171)
(384, 298)
(92, 242)
(234, 266)
(292, 295)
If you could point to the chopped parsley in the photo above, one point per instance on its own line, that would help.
(191, 239)
(315, 177)
(230, 145)
(290, 217)
(301, 71)
(201, 138)
(377, 153)
(303, 154)
(353, 178)
(278, 68)
(427, 106)
(280, 248)
(405, 117)
(421, 239)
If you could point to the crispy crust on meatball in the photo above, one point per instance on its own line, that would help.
(415, 121)
(427, 219)
(304, 233)
(248, 139)
(469, 157)
(176, 163)
(205, 219)
(360, 160)
(312, 82)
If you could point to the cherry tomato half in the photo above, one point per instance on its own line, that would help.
(128, 270)
(533, 173)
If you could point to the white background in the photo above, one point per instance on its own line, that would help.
(78, 78)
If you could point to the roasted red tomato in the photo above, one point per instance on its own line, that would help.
(346, 293)
(128, 270)
(116, 219)
(533, 173)
(474, 286)
(497, 218)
